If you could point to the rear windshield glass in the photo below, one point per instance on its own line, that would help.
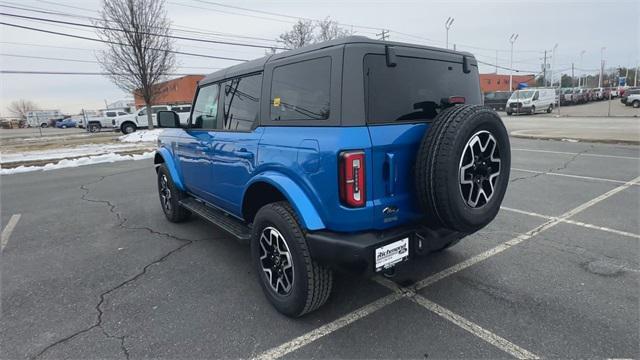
(413, 89)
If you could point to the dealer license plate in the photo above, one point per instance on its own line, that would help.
(391, 254)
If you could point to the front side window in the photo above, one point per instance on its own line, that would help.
(205, 111)
(143, 112)
(301, 91)
(111, 114)
(242, 102)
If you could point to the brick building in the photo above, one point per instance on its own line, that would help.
(173, 92)
(496, 82)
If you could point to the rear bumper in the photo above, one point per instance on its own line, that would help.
(355, 252)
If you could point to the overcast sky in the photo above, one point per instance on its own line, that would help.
(480, 27)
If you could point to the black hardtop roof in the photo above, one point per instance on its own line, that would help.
(257, 65)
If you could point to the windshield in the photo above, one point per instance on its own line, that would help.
(522, 94)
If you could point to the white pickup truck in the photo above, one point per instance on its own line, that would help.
(131, 122)
(96, 123)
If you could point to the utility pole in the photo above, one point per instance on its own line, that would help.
(447, 26)
(496, 62)
(601, 65)
(635, 78)
(580, 83)
(383, 35)
(544, 70)
(512, 39)
(572, 76)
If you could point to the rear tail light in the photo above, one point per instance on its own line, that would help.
(456, 100)
(352, 178)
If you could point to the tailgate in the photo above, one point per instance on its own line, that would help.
(394, 149)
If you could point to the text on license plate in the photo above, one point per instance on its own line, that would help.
(391, 254)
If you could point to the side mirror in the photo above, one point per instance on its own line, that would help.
(168, 119)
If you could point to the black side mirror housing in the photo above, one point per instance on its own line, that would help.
(168, 119)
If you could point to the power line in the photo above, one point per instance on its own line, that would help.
(37, 72)
(144, 33)
(92, 61)
(178, 28)
(117, 43)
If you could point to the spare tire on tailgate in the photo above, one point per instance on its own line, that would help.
(462, 168)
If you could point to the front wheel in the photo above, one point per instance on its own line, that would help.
(533, 110)
(291, 280)
(128, 128)
(170, 197)
(549, 109)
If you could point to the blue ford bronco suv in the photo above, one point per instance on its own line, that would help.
(353, 154)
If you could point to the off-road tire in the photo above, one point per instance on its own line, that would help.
(312, 282)
(176, 213)
(438, 167)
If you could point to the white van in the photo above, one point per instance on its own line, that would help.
(531, 101)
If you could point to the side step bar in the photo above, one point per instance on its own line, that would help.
(217, 217)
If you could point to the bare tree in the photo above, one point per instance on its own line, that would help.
(138, 53)
(300, 35)
(329, 30)
(20, 108)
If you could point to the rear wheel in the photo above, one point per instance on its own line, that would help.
(170, 197)
(462, 168)
(94, 128)
(291, 280)
(636, 104)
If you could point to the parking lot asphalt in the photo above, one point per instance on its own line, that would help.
(93, 270)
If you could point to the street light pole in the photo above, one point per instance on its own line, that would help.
(553, 65)
(580, 77)
(447, 26)
(602, 49)
(512, 39)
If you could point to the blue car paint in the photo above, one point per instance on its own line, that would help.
(66, 122)
(302, 162)
(311, 220)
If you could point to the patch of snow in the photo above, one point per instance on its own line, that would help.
(141, 136)
(68, 163)
(570, 140)
(61, 153)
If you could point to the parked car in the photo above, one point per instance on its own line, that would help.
(633, 99)
(65, 123)
(531, 101)
(598, 93)
(566, 96)
(579, 96)
(131, 122)
(318, 172)
(497, 100)
(625, 98)
(614, 92)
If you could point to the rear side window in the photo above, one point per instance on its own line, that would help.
(205, 111)
(111, 114)
(242, 102)
(301, 91)
(413, 89)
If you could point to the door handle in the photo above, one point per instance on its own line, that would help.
(243, 153)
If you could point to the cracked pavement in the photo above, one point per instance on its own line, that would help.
(93, 270)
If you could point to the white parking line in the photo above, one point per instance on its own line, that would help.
(328, 328)
(458, 320)
(366, 310)
(573, 222)
(6, 233)
(520, 238)
(571, 176)
(475, 329)
(574, 153)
